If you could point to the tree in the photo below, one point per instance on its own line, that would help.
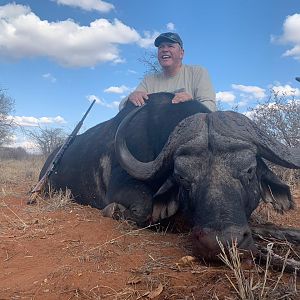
(279, 117)
(47, 139)
(18, 153)
(149, 60)
(6, 124)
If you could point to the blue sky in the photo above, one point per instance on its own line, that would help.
(56, 55)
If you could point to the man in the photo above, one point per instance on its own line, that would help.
(185, 81)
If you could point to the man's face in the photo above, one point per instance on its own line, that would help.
(170, 55)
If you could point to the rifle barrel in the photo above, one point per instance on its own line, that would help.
(40, 185)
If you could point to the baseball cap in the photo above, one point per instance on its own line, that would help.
(168, 37)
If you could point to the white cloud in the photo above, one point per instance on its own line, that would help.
(171, 26)
(50, 77)
(148, 39)
(24, 34)
(34, 122)
(88, 5)
(117, 89)
(132, 71)
(247, 96)
(249, 114)
(113, 105)
(290, 36)
(226, 97)
(24, 142)
(243, 103)
(286, 90)
(251, 91)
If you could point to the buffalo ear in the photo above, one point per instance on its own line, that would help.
(276, 192)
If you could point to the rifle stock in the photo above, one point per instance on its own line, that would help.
(56, 159)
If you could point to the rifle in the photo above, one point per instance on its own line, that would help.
(56, 159)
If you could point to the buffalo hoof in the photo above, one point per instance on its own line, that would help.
(114, 210)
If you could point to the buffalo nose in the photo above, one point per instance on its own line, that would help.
(206, 240)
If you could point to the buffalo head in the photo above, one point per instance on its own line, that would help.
(215, 164)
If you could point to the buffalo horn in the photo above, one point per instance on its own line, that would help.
(163, 162)
(134, 167)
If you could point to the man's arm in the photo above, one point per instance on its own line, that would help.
(181, 97)
(204, 91)
(137, 97)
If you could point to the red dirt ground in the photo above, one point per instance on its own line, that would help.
(75, 253)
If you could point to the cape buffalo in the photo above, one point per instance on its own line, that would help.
(155, 161)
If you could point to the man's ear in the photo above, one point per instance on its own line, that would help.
(182, 52)
(274, 191)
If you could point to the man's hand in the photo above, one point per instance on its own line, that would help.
(181, 97)
(138, 98)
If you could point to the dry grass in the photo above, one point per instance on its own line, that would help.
(14, 172)
(17, 177)
(12, 219)
(289, 176)
(257, 283)
(31, 221)
(264, 213)
(25, 173)
(54, 200)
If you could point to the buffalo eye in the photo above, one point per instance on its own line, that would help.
(182, 181)
(249, 173)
